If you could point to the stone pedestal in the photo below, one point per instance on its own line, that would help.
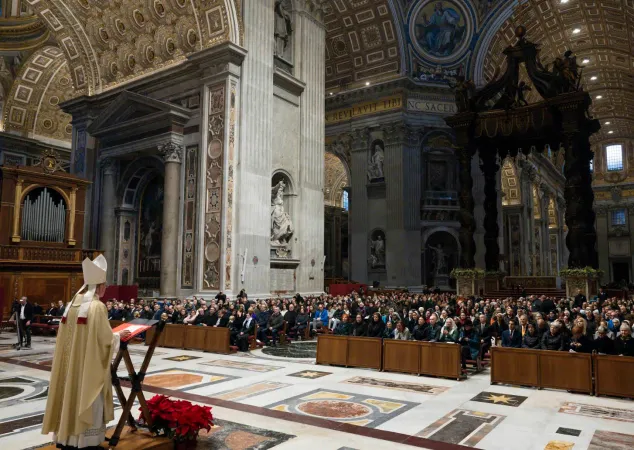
(589, 285)
(468, 284)
(441, 282)
(492, 283)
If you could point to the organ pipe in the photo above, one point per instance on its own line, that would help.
(42, 219)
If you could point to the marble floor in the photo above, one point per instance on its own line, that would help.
(278, 398)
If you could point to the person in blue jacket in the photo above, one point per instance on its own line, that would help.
(320, 318)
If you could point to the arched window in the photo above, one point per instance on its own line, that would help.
(43, 216)
(344, 200)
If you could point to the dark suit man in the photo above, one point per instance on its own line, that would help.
(484, 332)
(223, 319)
(24, 313)
(432, 332)
(512, 337)
(243, 335)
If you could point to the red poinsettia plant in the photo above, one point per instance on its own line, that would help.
(178, 419)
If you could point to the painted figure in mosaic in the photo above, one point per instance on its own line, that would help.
(281, 224)
(441, 32)
(79, 404)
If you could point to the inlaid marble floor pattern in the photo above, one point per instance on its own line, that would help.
(282, 400)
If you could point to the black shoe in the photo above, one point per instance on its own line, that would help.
(28, 347)
(18, 348)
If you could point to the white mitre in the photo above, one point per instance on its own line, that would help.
(95, 270)
(94, 274)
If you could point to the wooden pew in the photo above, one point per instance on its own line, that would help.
(613, 375)
(422, 358)
(542, 369)
(349, 351)
(332, 350)
(216, 340)
(190, 337)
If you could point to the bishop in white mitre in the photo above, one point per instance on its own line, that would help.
(79, 403)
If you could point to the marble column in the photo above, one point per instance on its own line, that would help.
(396, 262)
(467, 205)
(359, 246)
(109, 168)
(478, 211)
(603, 242)
(545, 232)
(490, 170)
(172, 155)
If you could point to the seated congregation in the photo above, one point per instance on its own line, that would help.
(574, 325)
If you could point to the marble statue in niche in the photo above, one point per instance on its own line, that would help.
(283, 29)
(375, 165)
(281, 223)
(377, 250)
(439, 259)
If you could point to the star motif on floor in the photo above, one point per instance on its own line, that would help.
(309, 374)
(499, 399)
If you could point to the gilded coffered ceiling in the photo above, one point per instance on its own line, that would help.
(600, 33)
(363, 43)
(336, 178)
(42, 82)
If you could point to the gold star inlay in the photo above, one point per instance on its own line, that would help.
(500, 399)
(311, 374)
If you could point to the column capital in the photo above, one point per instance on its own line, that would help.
(312, 9)
(110, 166)
(399, 133)
(172, 153)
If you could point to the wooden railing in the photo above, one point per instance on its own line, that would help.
(190, 337)
(45, 255)
(349, 351)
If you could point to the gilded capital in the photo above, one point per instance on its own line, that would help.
(172, 153)
(110, 166)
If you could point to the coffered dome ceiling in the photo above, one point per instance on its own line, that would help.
(601, 36)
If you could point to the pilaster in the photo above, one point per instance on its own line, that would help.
(359, 206)
(107, 222)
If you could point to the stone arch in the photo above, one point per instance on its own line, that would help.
(135, 177)
(42, 83)
(107, 43)
(452, 231)
(447, 240)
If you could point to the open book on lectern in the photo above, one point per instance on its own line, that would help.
(135, 327)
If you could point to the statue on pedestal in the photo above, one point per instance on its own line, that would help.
(281, 224)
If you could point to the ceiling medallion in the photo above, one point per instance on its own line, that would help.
(441, 31)
(131, 62)
(47, 124)
(114, 69)
(138, 17)
(192, 37)
(103, 34)
(120, 26)
(149, 53)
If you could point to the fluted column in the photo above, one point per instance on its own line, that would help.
(545, 232)
(491, 229)
(109, 172)
(467, 206)
(172, 155)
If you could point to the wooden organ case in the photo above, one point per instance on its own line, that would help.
(41, 232)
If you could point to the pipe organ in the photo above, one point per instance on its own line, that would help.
(41, 231)
(43, 219)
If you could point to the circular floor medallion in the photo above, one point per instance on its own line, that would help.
(335, 409)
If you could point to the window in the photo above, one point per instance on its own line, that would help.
(344, 200)
(591, 165)
(618, 217)
(614, 156)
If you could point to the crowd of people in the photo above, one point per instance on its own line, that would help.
(603, 325)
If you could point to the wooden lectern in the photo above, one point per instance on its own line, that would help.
(136, 380)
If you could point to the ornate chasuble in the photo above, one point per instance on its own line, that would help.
(81, 371)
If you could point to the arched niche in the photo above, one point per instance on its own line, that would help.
(282, 226)
(336, 179)
(441, 254)
(377, 251)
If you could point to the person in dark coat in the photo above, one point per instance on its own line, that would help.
(359, 327)
(531, 339)
(547, 305)
(242, 338)
(580, 343)
(603, 344)
(376, 326)
(344, 328)
(470, 343)
(624, 344)
(432, 332)
(419, 330)
(301, 322)
(580, 299)
(512, 337)
(553, 340)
